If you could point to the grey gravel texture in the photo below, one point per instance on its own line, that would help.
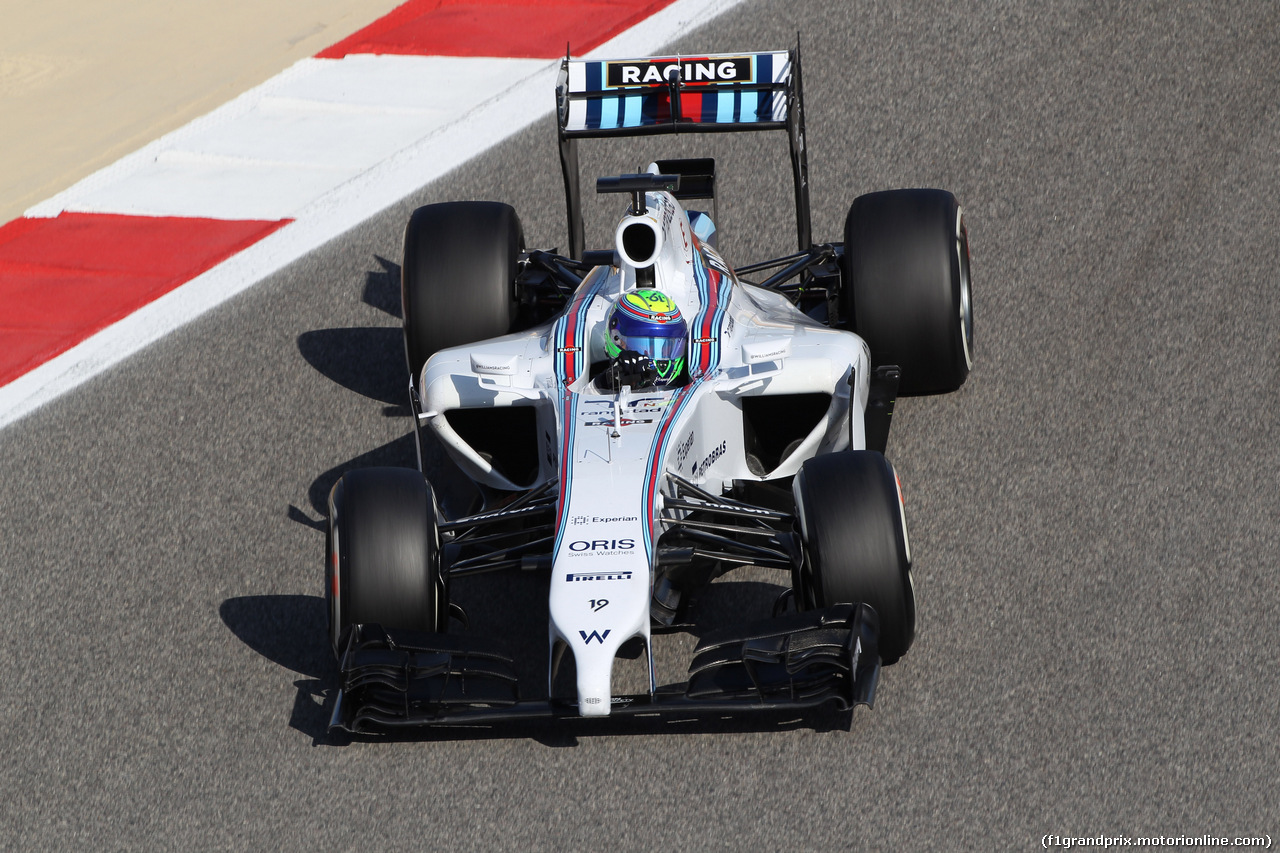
(1093, 516)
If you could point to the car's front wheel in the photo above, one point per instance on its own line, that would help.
(852, 524)
(382, 560)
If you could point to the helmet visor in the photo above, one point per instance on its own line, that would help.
(658, 348)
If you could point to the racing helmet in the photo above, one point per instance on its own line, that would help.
(649, 322)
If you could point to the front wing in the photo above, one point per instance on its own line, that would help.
(795, 661)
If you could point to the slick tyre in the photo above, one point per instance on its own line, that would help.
(906, 286)
(457, 283)
(855, 542)
(383, 554)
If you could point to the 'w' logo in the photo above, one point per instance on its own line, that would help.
(594, 635)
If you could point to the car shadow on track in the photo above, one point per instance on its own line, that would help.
(382, 287)
(291, 631)
(367, 360)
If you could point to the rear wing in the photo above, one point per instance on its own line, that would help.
(713, 93)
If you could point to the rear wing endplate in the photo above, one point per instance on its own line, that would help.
(713, 93)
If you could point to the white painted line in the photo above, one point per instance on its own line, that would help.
(281, 146)
(441, 148)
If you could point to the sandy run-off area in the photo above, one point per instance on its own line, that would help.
(84, 83)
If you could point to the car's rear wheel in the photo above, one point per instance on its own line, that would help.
(382, 561)
(457, 282)
(906, 286)
(855, 542)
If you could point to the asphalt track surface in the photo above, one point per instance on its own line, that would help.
(1093, 516)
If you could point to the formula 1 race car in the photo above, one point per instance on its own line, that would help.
(644, 418)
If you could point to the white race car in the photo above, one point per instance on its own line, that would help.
(642, 419)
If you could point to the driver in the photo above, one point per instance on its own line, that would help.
(646, 342)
